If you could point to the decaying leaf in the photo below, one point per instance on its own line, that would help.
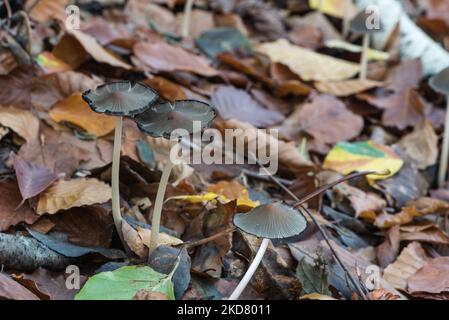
(432, 278)
(64, 195)
(23, 122)
(12, 290)
(346, 88)
(74, 110)
(309, 65)
(411, 259)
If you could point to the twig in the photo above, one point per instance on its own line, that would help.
(208, 239)
(256, 175)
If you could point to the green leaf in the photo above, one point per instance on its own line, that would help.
(124, 283)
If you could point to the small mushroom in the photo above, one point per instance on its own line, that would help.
(119, 99)
(440, 83)
(270, 221)
(162, 120)
(361, 24)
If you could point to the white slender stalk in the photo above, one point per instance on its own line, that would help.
(251, 270)
(320, 5)
(364, 60)
(186, 19)
(346, 18)
(445, 150)
(116, 213)
(156, 220)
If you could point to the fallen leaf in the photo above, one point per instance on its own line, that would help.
(150, 295)
(74, 110)
(22, 122)
(346, 88)
(232, 103)
(51, 64)
(44, 10)
(167, 89)
(373, 55)
(32, 179)
(314, 117)
(11, 290)
(347, 157)
(10, 214)
(162, 56)
(411, 259)
(49, 285)
(309, 65)
(133, 240)
(216, 41)
(421, 145)
(316, 296)
(424, 232)
(64, 195)
(164, 238)
(124, 283)
(336, 8)
(200, 21)
(382, 294)
(433, 277)
(388, 250)
(403, 109)
(407, 74)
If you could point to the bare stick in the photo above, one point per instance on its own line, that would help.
(209, 239)
(156, 220)
(251, 270)
(442, 172)
(186, 20)
(116, 213)
(364, 60)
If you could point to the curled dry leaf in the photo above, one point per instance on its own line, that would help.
(133, 240)
(288, 154)
(307, 64)
(411, 259)
(22, 122)
(32, 179)
(64, 195)
(421, 145)
(162, 56)
(424, 231)
(432, 278)
(12, 290)
(74, 110)
(347, 88)
(314, 118)
(232, 103)
(10, 214)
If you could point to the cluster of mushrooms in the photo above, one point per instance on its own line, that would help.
(159, 118)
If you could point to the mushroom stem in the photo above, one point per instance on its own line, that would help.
(156, 220)
(186, 20)
(320, 5)
(346, 19)
(445, 150)
(116, 213)
(251, 270)
(364, 61)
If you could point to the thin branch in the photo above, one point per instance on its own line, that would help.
(209, 239)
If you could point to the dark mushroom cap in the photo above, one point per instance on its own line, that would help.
(162, 119)
(359, 25)
(440, 82)
(272, 221)
(121, 98)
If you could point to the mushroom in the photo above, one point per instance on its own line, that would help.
(167, 120)
(186, 19)
(360, 25)
(270, 221)
(440, 83)
(119, 99)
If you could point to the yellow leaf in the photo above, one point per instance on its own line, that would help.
(20, 121)
(76, 111)
(348, 157)
(210, 196)
(336, 8)
(346, 88)
(232, 190)
(307, 64)
(64, 195)
(52, 64)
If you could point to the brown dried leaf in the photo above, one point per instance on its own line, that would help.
(424, 231)
(421, 145)
(22, 122)
(162, 56)
(307, 64)
(411, 259)
(11, 290)
(32, 179)
(74, 110)
(167, 89)
(388, 250)
(44, 10)
(133, 240)
(10, 215)
(347, 88)
(72, 193)
(432, 278)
